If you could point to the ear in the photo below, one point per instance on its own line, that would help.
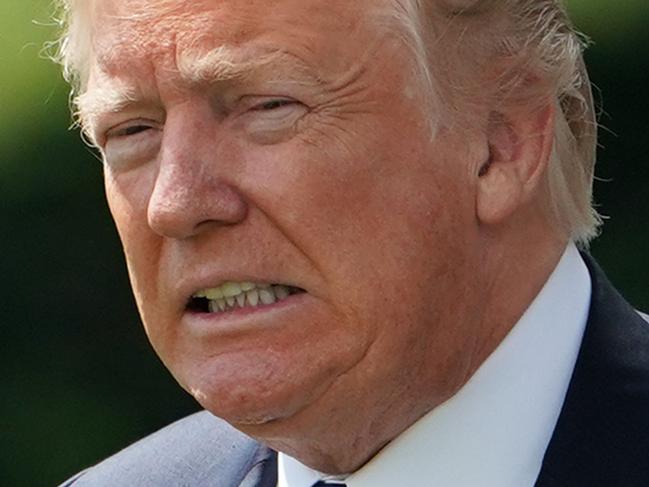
(520, 144)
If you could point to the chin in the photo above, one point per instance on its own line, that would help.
(254, 389)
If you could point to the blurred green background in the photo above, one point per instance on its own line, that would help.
(79, 380)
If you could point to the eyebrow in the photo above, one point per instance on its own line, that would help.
(220, 64)
(100, 101)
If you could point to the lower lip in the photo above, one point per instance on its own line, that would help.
(244, 319)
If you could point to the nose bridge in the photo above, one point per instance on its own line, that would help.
(190, 188)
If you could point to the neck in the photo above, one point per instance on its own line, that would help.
(519, 267)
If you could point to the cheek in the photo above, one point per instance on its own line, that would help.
(127, 197)
(384, 225)
(366, 201)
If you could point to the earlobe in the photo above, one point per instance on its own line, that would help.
(519, 151)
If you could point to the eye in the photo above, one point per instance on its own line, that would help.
(131, 143)
(133, 130)
(128, 130)
(274, 104)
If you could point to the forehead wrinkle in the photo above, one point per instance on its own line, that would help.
(171, 35)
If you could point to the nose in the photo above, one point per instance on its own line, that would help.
(191, 192)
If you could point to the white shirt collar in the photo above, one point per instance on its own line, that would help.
(495, 430)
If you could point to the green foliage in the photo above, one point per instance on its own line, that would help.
(79, 379)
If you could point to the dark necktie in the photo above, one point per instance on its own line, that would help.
(320, 483)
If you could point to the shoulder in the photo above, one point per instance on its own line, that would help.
(602, 436)
(198, 450)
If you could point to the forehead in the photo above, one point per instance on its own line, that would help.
(141, 31)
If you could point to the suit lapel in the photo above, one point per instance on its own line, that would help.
(264, 469)
(602, 435)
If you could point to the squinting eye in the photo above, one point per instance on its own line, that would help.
(135, 129)
(130, 130)
(270, 119)
(131, 143)
(274, 104)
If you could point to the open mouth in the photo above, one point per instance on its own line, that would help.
(232, 296)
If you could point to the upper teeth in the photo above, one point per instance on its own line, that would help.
(231, 295)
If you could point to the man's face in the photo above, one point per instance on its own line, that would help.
(304, 161)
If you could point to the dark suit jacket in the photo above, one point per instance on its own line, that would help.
(601, 437)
